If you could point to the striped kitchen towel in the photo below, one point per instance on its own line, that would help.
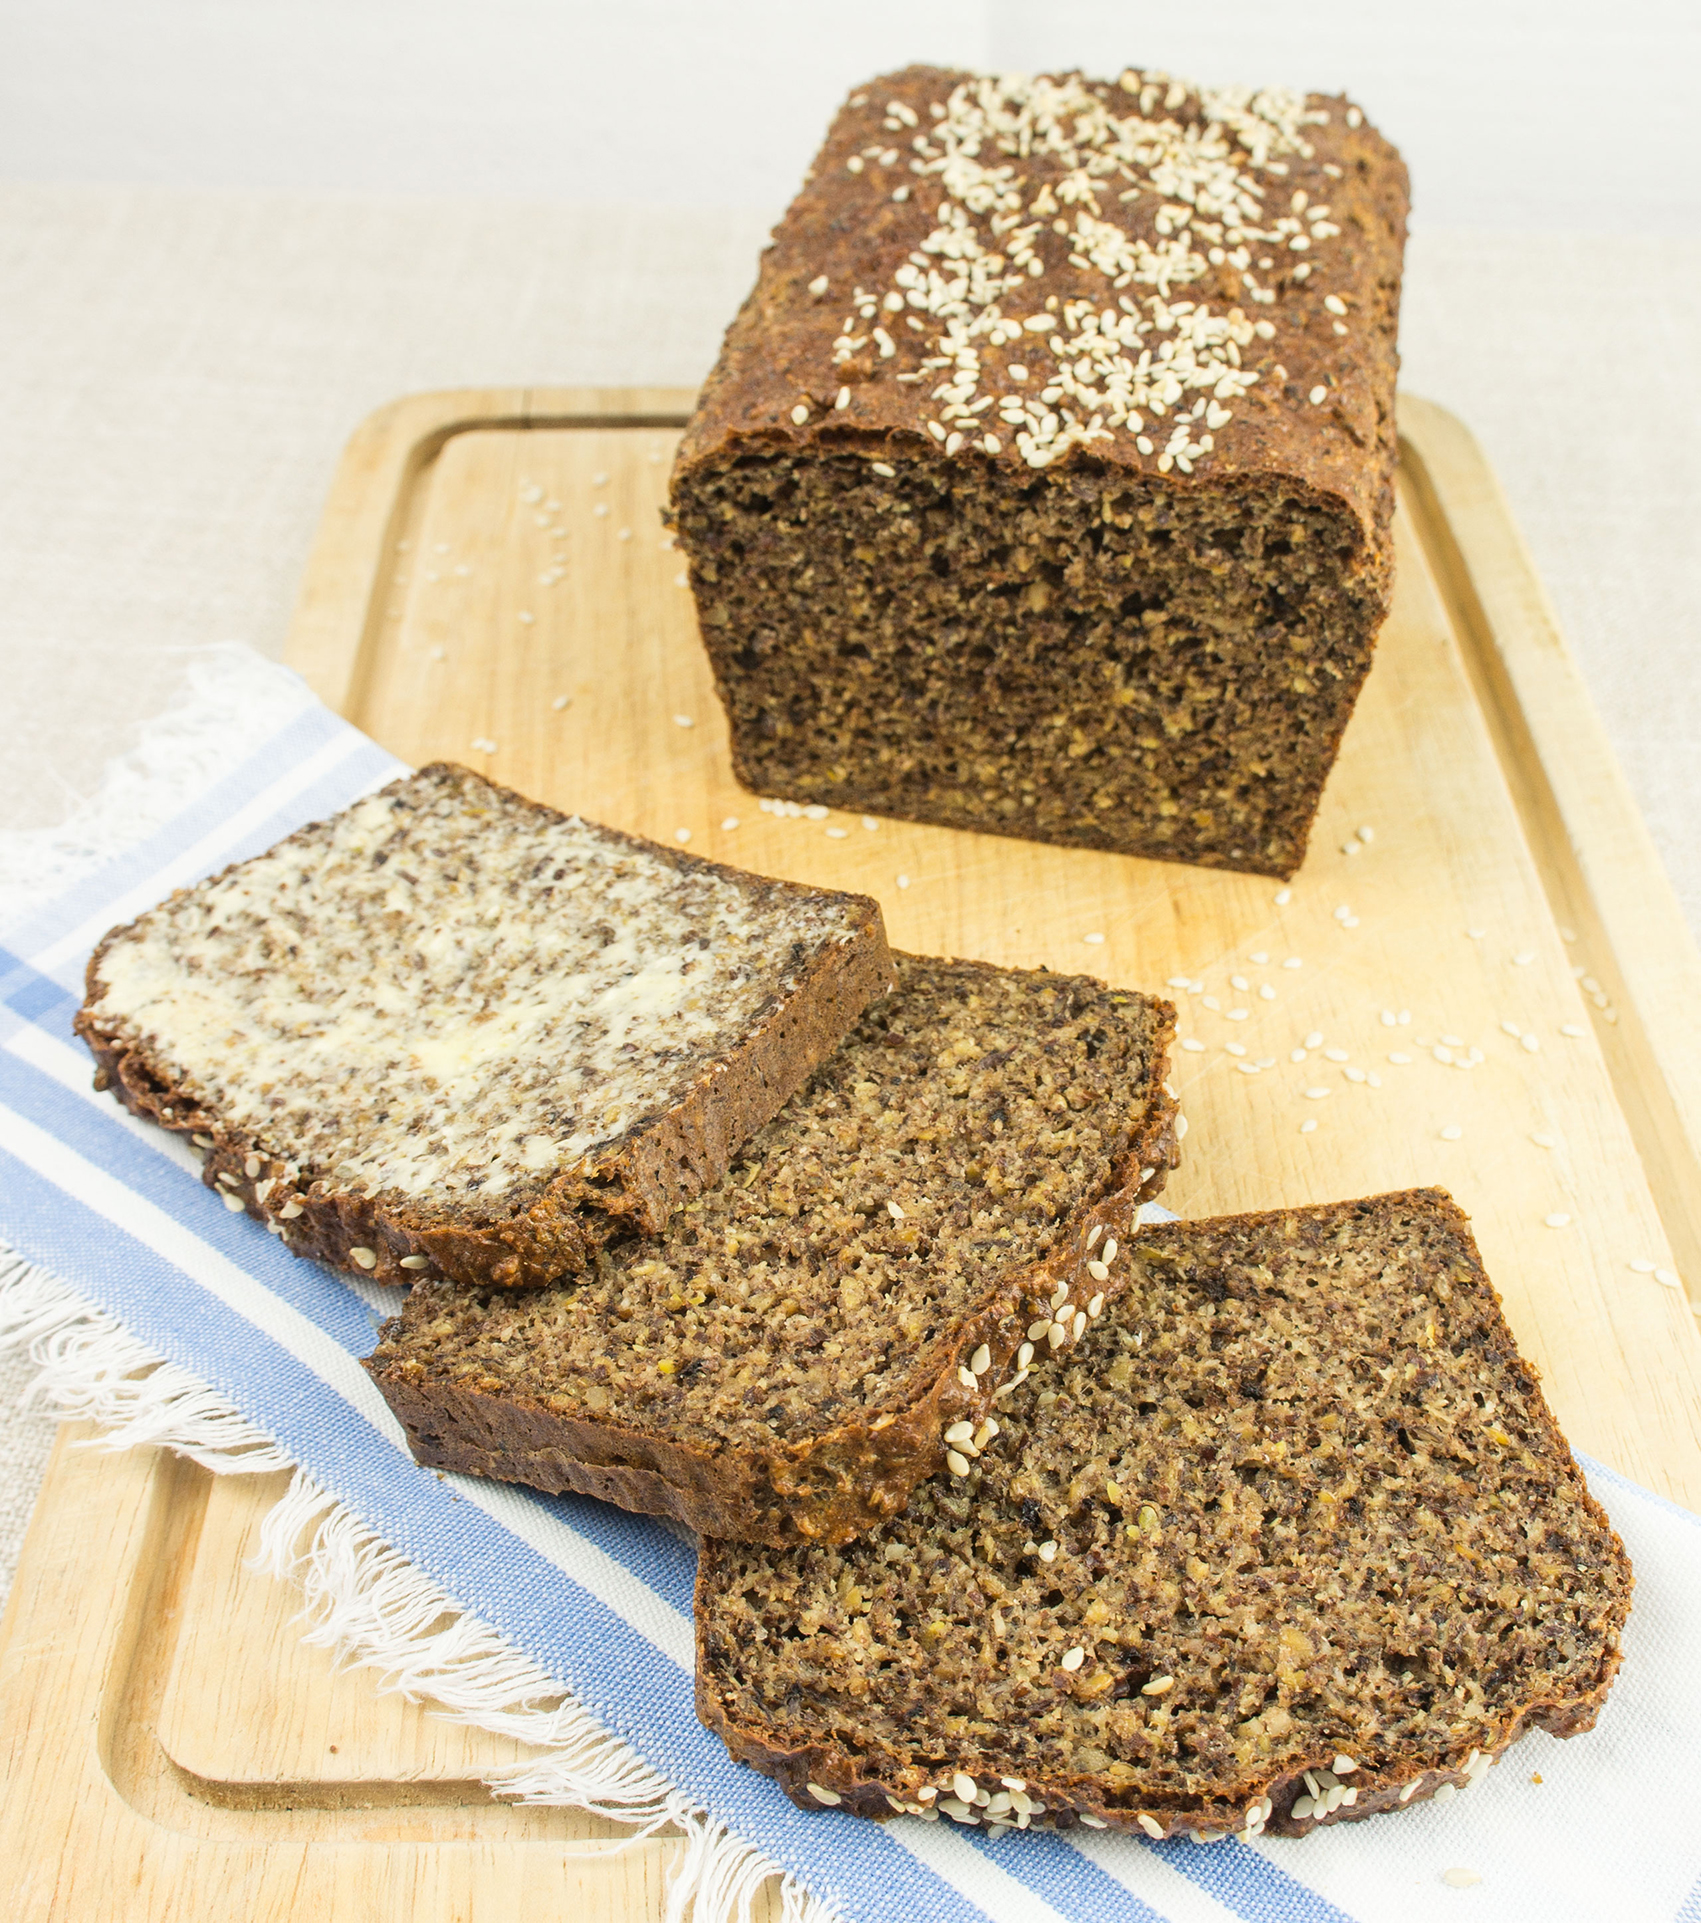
(600, 1601)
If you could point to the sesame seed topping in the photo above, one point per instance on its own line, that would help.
(1098, 1271)
(1158, 1686)
(1318, 394)
(367, 1258)
(967, 1377)
(1316, 1094)
(956, 1463)
(799, 414)
(1193, 1047)
(1558, 1220)
(1452, 1132)
(1642, 1268)
(1048, 1552)
(1074, 1658)
(1308, 1126)
(981, 1360)
(818, 286)
(1344, 1765)
(1095, 937)
(1150, 1825)
(1669, 1277)
(682, 835)
(729, 823)
(823, 1795)
(416, 1262)
(963, 1787)
(1110, 1241)
(1460, 1879)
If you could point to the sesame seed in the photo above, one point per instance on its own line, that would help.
(1048, 1552)
(1334, 1055)
(1558, 1220)
(981, 1360)
(1237, 1014)
(1158, 1686)
(1095, 1308)
(416, 1262)
(1024, 1355)
(1642, 1268)
(1283, 897)
(483, 745)
(1523, 960)
(682, 835)
(1110, 1244)
(967, 1377)
(1239, 981)
(1098, 1271)
(823, 1795)
(1669, 1277)
(1573, 1030)
(1074, 1658)
(234, 1202)
(818, 286)
(1530, 1043)
(837, 834)
(1303, 1806)
(1410, 1790)
(1314, 1039)
(1316, 1094)
(883, 467)
(870, 823)
(1093, 938)
(957, 1464)
(367, 1258)
(1446, 1793)
(684, 721)
(799, 414)
(1080, 1323)
(1038, 1331)
(1452, 1132)
(903, 881)
(1399, 1060)
(1094, 1233)
(1092, 1822)
(600, 510)
(1193, 1047)
(729, 824)
(560, 702)
(1318, 394)
(1308, 1126)
(1344, 1765)
(1151, 1826)
(1460, 1879)
(1266, 993)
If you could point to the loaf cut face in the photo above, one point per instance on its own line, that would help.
(783, 1363)
(452, 1032)
(1044, 483)
(1290, 1539)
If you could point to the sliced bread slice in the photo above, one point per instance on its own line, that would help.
(939, 1204)
(1289, 1540)
(451, 1031)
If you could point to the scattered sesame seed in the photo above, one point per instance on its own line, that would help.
(1558, 1220)
(1283, 897)
(1308, 1126)
(1318, 394)
(1238, 1014)
(1316, 1094)
(883, 467)
(1110, 1243)
(1642, 1268)
(600, 510)
(729, 824)
(870, 823)
(681, 580)
(684, 721)
(625, 534)
(1092, 1822)
(823, 1795)
(1335, 1055)
(799, 414)
(1098, 1271)
(1476, 934)
(1523, 960)
(1573, 1030)
(1151, 1826)
(483, 745)
(842, 399)
(1158, 1686)
(1530, 1043)
(1239, 981)
(1074, 1658)
(981, 1360)
(958, 1464)
(1459, 1879)
(1093, 938)
(903, 881)
(1353, 1074)
(1193, 1047)
(1545, 1141)
(1314, 1039)
(682, 835)
(1048, 1552)
(818, 286)
(1399, 1060)
(837, 834)
(1094, 1233)
(1669, 1277)
(367, 1258)
(1452, 1132)
(895, 1210)
(1266, 993)
(1296, 1055)
(416, 1262)
(561, 701)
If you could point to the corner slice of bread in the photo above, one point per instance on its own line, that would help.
(1289, 1540)
(452, 1032)
(947, 1200)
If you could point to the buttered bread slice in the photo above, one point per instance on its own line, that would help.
(452, 1032)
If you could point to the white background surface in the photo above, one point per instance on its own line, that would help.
(228, 231)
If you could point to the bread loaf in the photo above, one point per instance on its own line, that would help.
(1288, 1540)
(452, 1032)
(1044, 482)
(785, 1362)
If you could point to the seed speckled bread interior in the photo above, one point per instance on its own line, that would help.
(1044, 482)
(451, 1031)
(785, 1362)
(1289, 1539)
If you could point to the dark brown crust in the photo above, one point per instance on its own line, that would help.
(662, 1160)
(829, 1488)
(1339, 456)
(863, 1787)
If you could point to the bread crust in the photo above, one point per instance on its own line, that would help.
(829, 1488)
(877, 1782)
(661, 1160)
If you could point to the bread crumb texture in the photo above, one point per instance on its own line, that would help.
(1295, 1505)
(1044, 484)
(899, 1213)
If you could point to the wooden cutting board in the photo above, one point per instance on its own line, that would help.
(1493, 990)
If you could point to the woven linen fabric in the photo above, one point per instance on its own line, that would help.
(602, 1600)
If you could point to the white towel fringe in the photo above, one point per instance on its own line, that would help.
(374, 1610)
(232, 699)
